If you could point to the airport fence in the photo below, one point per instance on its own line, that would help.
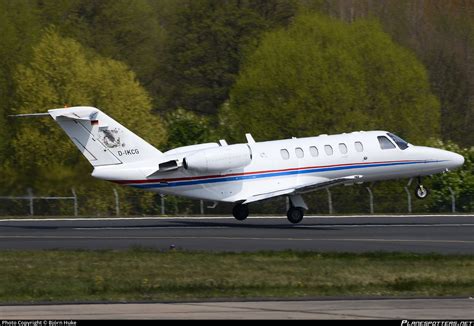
(358, 199)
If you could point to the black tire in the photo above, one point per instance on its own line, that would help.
(240, 212)
(421, 192)
(295, 214)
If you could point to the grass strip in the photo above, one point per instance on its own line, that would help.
(145, 274)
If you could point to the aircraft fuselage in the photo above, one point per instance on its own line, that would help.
(291, 164)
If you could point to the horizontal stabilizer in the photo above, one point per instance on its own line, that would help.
(85, 114)
(24, 115)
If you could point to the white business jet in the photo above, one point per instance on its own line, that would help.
(249, 172)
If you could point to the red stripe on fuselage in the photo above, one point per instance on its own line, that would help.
(247, 173)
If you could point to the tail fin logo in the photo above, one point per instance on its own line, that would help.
(111, 137)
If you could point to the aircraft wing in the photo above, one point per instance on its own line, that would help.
(267, 195)
(324, 183)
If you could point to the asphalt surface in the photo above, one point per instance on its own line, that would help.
(450, 234)
(437, 309)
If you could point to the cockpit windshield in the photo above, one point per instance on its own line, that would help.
(400, 142)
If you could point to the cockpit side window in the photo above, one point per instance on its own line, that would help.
(385, 143)
(400, 142)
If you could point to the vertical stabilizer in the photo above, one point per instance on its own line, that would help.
(101, 139)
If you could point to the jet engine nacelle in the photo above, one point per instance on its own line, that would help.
(219, 159)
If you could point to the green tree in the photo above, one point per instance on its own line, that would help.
(123, 30)
(325, 76)
(63, 72)
(19, 25)
(441, 33)
(460, 181)
(187, 128)
(206, 40)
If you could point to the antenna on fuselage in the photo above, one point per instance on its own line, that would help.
(250, 139)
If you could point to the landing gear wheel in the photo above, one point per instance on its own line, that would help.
(421, 192)
(295, 214)
(240, 212)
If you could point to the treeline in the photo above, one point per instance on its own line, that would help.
(179, 72)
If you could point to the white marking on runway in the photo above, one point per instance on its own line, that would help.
(151, 228)
(319, 226)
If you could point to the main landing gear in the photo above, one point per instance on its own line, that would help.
(295, 212)
(421, 192)
(240, 212)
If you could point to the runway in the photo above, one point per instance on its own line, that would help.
(439, 309)
(449, 234)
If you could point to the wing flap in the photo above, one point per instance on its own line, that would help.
(326, 184)
(267, 195)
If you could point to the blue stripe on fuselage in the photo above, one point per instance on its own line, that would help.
(268, 175)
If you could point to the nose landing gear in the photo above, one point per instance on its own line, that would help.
(421, 192)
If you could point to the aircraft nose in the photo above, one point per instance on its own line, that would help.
(443, 160)
(456, 160)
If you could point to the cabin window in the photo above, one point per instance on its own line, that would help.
(284, 154)
(343, 148)
(314, 151)
(358, 146)
(400, 142)
(385, 143)
(299, 152)
(328, 149)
